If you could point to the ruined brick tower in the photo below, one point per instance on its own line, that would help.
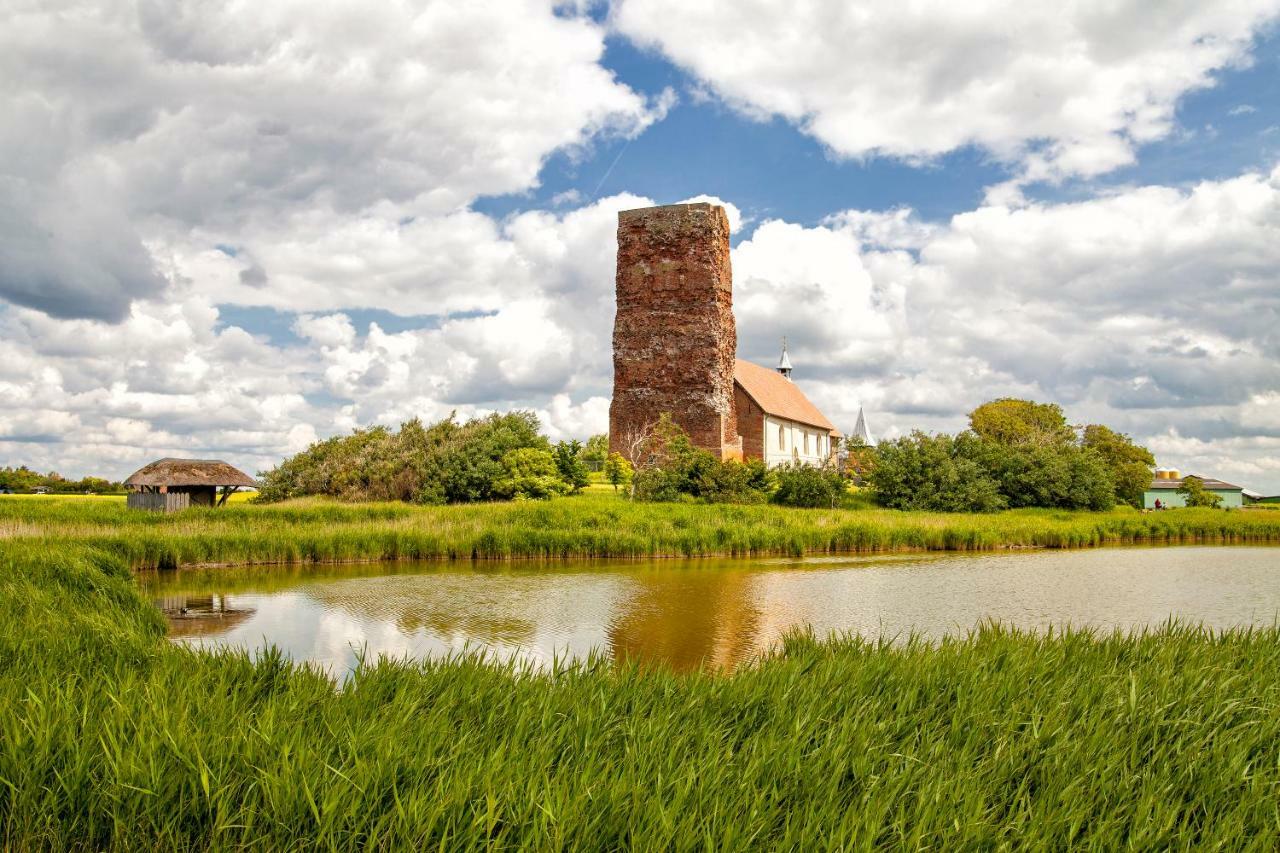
(674, 339)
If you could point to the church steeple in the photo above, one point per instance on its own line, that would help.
(784, 363)
(860, 430)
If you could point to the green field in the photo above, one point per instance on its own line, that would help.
(110, 737)
(596, 524)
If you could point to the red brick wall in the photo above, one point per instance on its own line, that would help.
(674, 338)
(750, 425)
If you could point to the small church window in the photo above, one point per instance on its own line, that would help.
(806, 444)
(782, 437)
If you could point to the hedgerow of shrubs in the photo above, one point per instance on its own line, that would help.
(1017, 453)
(483, 459)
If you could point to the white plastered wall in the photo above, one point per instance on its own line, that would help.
(785, 441)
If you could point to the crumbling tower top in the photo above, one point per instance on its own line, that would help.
(674, 338)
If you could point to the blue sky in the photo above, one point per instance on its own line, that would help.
(771, 169)
(232, 234)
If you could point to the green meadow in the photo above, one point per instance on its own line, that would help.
(113, 738)
(595, 524)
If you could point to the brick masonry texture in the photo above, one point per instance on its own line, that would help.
(674, 337)
(750, 425)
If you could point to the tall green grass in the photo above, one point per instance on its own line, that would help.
(112, 739)
(589, 525)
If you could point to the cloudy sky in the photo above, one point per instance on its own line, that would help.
(229, 228)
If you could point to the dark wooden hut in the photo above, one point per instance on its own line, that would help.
(170, 484)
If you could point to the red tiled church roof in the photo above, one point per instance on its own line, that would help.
(778, 395)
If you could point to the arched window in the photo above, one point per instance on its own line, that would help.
(782, 437)
(806, 443)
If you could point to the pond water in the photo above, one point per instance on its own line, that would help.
(713, 613)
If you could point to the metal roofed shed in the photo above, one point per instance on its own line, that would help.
(1164, 487)
(170, 485)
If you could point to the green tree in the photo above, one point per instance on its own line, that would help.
(20, 479)
(669, 468)
(1014, 422)
(596, 451)
(1196, 495)
(1130, 463)
(473, 463)
(1063, 476)
(859, 459)
(617, 470)
(568, 456)
(930, 472)
(529, 473)
(808, 485)
(447, 462)
(731, 481)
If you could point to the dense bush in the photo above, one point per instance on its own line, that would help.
(1053, 476)
(1038, 460)
(932, 472)
(807, 486)
(966, 473)
(446, 462)
(669, 468)
(570, 466)
(529, 473)
(1018, 453)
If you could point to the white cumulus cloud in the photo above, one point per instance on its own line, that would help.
(1060, 89)
(322, 146)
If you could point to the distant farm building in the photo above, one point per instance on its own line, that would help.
(169, 485)
(675, 344)
(1164, 488)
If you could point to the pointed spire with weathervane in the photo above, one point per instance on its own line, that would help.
(784, 363)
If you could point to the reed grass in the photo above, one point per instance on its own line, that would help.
(111, 738)
(592, 525)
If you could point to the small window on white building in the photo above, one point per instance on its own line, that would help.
(782, 437)
(806, 444)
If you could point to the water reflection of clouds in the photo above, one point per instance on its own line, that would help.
(721, 613)
(529, 618)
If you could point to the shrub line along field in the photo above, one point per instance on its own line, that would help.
(590, 525)
(113, 738)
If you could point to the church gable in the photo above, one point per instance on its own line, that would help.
(778, 396)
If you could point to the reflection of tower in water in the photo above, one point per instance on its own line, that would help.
(688, 618)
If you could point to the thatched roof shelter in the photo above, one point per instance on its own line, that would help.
(171, 484)
(189, 472)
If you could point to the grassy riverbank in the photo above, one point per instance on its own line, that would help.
(112, 738)
(589, 525)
